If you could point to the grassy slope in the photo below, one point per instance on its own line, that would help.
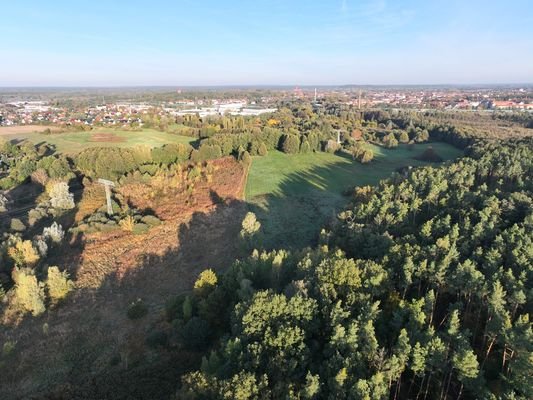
(295, 195)
(74, 142)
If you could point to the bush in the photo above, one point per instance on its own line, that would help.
(262, 150)
(17, 225)
(137, 310)
(58, 284)
(54, 232)
(140, 228)
(23, 253)
(403, 137)
(40, 177)
(151, 220)
(305, 147)
(429, 155)
(366, 156)
(290, 144)
(3, 203)
(28, 292)
(246, 158)
(250, 225)
(207, 280)
(41, 247)
(60, 197)
(127, 223)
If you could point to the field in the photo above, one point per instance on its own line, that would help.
(74, 142)
(295, 195)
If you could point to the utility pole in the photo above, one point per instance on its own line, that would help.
(359, 102)
(107, 185)
(315, 95)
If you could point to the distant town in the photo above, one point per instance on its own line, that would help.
(36, 107)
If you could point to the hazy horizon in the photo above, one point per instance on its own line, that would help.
(266, 43)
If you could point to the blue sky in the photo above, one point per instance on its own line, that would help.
(287, 42)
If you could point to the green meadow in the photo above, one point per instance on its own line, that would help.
(74, 142)
(295, 195)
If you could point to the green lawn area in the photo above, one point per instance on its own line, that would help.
(74, 142)
(295, 195)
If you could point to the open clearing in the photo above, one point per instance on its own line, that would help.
(295, 195)
(21, 129)
(74, 142)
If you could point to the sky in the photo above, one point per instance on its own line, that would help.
(265, 42)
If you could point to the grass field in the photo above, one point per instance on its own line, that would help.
(74, 142)
(295, 195)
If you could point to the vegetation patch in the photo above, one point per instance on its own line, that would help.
(106, 137)
(295, 195)
(429, 155)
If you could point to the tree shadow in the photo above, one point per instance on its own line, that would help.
(304, 203)
(88, 347)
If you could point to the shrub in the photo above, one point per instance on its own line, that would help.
(290, 144)
(429, 155)
(36, 214)
(54, 232)
(140, 228)
(151, 220)
(28, 292)
(59, 168)
(305, 147)
(403, 137)
(250, 225)
(17, 225)
(246, 158)
(127, 223)
(206, 281)
(40, 176)
(366, 156)
(23, 253)
(262, 150)
(3, 203)
(137, 309)
(41, 246)
(422, 136)
(58, 284)
(390, 141)
(60, 197)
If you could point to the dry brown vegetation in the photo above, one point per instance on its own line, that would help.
(88, 346)
(20, 129)
(106, 137)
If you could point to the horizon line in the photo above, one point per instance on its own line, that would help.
(259, 85)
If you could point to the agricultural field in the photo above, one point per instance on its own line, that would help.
(295, 195)
(74, 142)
